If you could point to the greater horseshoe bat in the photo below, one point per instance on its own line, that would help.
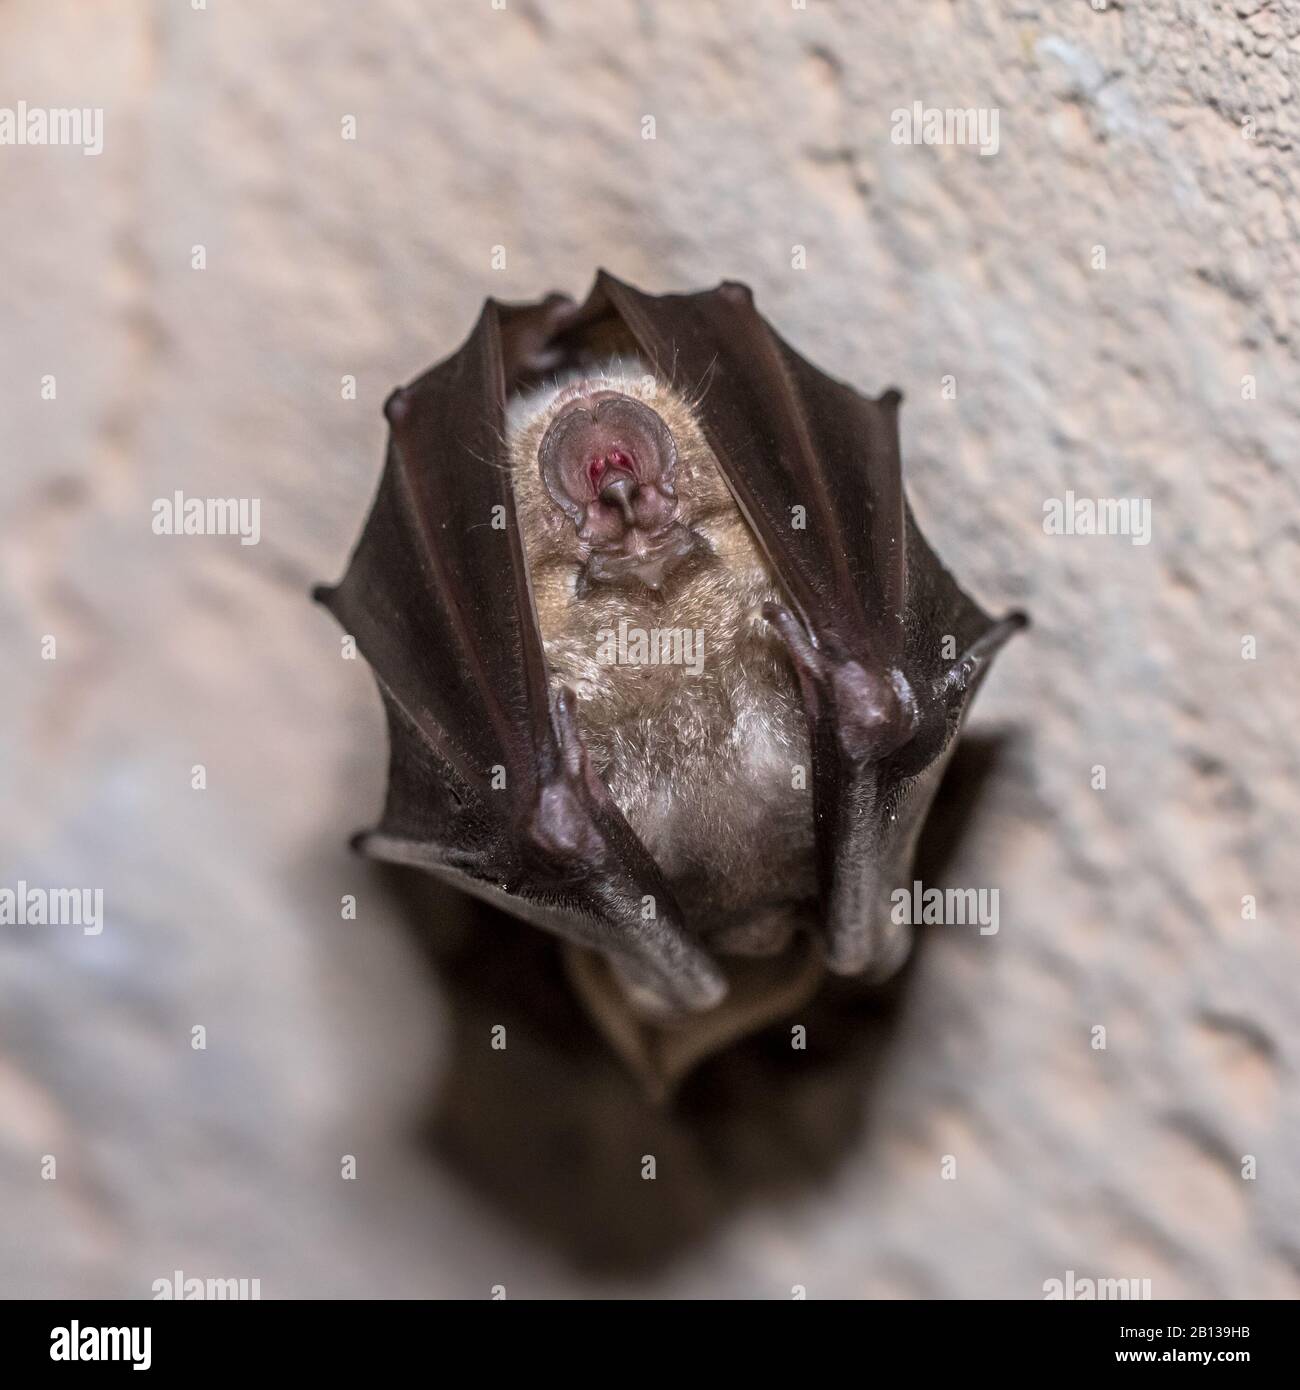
(668, 667)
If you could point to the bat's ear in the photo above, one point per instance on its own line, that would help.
(528, 334)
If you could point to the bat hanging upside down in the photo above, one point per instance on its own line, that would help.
(669, 669)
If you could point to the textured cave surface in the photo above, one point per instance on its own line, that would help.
(522, 129)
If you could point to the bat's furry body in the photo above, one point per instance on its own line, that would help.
(700, 758)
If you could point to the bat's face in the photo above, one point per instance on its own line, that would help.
(608, 461)
(611, 467)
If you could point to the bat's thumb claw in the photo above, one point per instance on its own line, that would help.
(573, 747)
(808, 661)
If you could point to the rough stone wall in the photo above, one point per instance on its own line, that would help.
(1164, 133)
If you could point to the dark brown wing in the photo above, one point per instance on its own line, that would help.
(887, 647)
(490, 786)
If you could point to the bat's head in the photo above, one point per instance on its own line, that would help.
(614, 478)
(609, 461)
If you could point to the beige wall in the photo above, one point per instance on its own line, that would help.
(522, 128)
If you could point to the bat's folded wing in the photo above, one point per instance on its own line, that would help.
(490, 786)
(886, 646)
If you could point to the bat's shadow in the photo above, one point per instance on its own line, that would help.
(555, 1131)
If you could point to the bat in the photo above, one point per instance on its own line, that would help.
(668, 668)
